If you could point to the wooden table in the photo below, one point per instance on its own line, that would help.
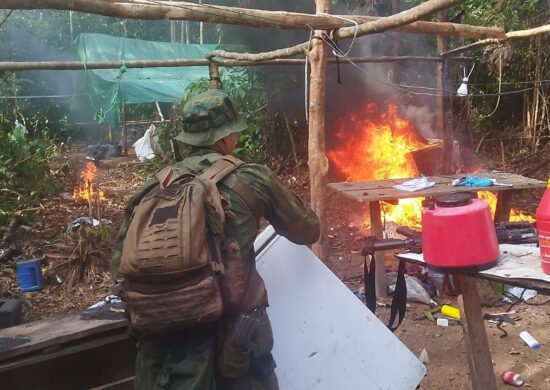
(383, 190)
(518, 266)
(479, 357)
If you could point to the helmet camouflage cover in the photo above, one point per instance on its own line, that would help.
(208, 117)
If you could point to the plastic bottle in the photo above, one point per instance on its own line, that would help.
(511, 378)
(529, 340)
(543, 227)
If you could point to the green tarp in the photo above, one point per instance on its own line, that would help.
(109, 87)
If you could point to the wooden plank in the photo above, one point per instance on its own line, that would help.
(53, 331)
(383, 189)
(379, 259)
(482, 375)
(95, 342)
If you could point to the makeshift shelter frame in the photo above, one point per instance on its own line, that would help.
(317, 53)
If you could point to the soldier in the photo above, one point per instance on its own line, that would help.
(204, 357)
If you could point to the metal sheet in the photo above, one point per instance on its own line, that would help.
(326, 338)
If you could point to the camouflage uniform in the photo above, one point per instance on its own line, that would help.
(194, 358)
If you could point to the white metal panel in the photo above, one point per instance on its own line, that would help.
(326, 338)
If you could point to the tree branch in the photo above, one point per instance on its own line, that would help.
(376, 26)
(148, 9)
(510, 36)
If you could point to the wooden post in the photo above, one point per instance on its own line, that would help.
(394, 68)
(379, 259)
(215, 82)
(442, 45)
(123, 135)
(317, 158)
(482, 375)
(201, 30)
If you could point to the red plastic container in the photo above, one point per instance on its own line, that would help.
(543, 227)
(458, 234)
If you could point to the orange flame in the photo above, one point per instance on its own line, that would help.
(87, 190)
(377, 146)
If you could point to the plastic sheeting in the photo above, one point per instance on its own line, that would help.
(138, 85)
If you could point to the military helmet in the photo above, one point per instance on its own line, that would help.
(208, 117)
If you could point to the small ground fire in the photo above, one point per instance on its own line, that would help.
(88, 190)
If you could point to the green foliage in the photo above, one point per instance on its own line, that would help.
(247, 88)
(25, 173)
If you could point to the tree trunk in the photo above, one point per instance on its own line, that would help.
(317, 158)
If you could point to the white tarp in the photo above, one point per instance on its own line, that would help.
(326, 338)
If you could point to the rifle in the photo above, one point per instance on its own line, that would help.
(507, 233)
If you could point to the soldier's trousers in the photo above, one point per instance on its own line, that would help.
(194, 359)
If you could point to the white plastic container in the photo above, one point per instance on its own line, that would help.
(529, 340)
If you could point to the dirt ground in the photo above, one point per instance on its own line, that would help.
(77, 278)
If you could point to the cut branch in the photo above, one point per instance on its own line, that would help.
(143, 9)
(510, 36)
(76, 65)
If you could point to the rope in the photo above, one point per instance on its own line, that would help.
(499, 85)
(99, 112)
(306, 77)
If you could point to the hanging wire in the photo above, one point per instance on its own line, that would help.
(499, 85)
(355, 31)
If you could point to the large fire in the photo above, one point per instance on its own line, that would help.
(376, 145)
(88, 189)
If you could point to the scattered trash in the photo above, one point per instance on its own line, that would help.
(423, 357)
(511, 378)
(437, 280)
(520, 293)
(450, 311)
(109, 299)
(442, 322)
(79, 221)
(473, 181)
(529, 340)
(415, 290)
(67, 196)
(29, 275)
(143, 147)
(415, 184)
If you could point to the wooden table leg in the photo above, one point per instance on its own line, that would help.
(378, 230)
(503, 206)
(482, 374)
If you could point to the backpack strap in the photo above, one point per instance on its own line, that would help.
(221, 170)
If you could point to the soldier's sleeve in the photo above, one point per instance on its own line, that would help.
(288, 215)
(119, 241)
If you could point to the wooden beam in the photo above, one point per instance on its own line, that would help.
(76, 65)
(510, 36)
(317, 158)
(143, 9)
(214, 70)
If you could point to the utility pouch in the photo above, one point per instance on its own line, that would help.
(234, 360)
(164, 307)
(233, 279)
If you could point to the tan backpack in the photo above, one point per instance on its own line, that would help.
(178, 269)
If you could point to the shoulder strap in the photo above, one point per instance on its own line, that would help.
(221, 168)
